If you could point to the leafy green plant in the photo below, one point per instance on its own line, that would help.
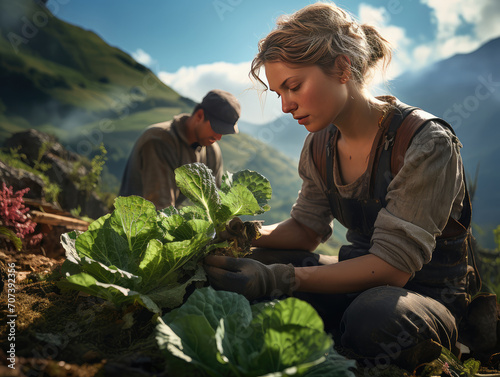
(140, 255)
(243, 193)
(38, 164)
(220, 334)
(11, 236)
(90, 180)
(448, 365)
(14, 153)
(488, 262)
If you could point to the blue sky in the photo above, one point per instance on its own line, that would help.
(197, 45)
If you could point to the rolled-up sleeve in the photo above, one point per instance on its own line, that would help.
(311, 207)
(420, 199)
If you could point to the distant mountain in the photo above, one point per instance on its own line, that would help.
(284, 134)
(465, 91)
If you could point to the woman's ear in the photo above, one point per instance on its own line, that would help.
(343, 68)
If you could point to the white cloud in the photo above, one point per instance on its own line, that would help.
(481, 17)
(451, 17)
(380, 18)
(143, 57)
(194, 82)
(371, 15)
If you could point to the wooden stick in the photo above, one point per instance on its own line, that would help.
(51, 219)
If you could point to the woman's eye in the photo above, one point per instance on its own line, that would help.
(294, 89)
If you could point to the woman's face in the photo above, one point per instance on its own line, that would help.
(314, 98)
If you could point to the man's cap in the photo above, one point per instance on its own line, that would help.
(223, 110)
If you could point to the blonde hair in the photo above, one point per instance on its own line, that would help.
(318, 34)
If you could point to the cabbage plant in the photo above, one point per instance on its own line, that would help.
(137, 254)
(219, 333)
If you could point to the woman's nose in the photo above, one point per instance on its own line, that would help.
(287, 106)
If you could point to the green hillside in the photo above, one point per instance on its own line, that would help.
(59, 76)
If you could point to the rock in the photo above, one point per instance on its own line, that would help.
(32, 140)
(61, 171)
(20, 179)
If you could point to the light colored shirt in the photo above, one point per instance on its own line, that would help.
(420, 198)
(161, 149)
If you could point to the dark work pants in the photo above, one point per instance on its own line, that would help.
(380, 326)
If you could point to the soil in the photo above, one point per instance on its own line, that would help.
(66, 333)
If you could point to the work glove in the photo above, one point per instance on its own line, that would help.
(249, 277)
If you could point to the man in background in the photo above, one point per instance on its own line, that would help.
(165, 146)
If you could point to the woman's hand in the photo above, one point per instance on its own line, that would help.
(249, 277)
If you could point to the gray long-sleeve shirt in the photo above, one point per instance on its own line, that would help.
(421, 197)
(161, 149)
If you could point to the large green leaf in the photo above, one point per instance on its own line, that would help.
(169, 224)
(172, 296)
(193, 212)
(191, 228)
(222, 334)
(162, 262)
(114, 293)
(258, 185)
(213, 305)
(111, 274)
(241, 201)
(191, 338)
(287, 337)
(197, 182)
(189, 331)
(136, 218)
(106, 246)
(246, 193)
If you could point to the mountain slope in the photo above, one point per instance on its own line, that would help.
(284, 134)
(465, 91)
(56, 75)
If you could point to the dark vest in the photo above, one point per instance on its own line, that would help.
(446, 276)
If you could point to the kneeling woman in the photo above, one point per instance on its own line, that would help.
(399, 290)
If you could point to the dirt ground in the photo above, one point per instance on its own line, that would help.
(66, 333)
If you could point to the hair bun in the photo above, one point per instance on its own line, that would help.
(379, 46)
